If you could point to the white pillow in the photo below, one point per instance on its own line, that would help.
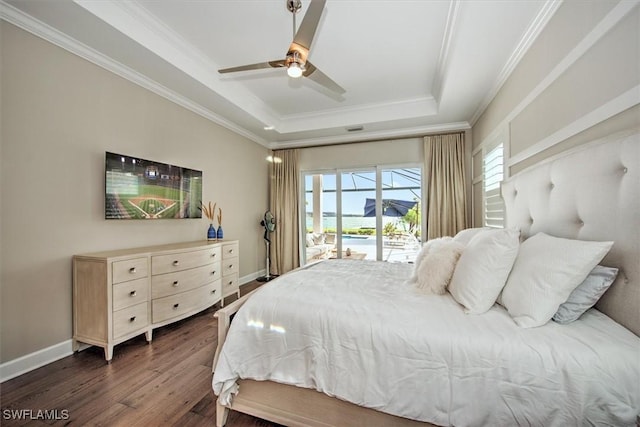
(546, 271)
(465, 236)
(309, 240)
(483, 268)
(437, 261)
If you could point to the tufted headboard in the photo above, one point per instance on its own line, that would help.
(589, 193)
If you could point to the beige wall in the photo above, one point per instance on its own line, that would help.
(362, 154)
(60, 114)
(568, 89)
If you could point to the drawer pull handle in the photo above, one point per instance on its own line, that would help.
(230, 265)
(175, 306)
(132, 319)
(230, 251)
(213, 255)
(176, 262)
(213, 291)
(213, 272)
(133, 293)
(175, 283)
(132, 270)
(230, 282)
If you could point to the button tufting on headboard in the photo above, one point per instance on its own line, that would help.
(583, 185)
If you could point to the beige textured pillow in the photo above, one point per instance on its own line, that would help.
(436, 267)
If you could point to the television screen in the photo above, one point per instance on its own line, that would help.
(141, 189)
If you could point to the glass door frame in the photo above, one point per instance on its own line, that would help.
(378, 191)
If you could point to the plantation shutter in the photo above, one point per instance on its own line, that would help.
(493, 173)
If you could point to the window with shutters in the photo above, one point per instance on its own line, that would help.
(492, 175)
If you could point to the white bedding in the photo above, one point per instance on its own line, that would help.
(355, 330)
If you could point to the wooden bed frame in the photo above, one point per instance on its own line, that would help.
(588, 193)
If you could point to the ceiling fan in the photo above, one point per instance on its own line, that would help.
(296, 58)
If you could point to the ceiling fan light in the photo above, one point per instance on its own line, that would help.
(294, 70)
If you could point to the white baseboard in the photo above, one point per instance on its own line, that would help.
(29, 362)
(253, 276)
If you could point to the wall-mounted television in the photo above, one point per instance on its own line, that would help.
(136, 188)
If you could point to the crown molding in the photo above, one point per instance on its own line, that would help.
(532, 33)
(445, 50)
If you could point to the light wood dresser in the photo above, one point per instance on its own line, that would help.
(120, 294)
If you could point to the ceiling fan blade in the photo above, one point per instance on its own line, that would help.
(313, 73)
(307, 30)
(271, 64)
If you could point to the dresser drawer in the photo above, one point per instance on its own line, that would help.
(129, 269)
(130, 293)
(230, 284)
(161, 264)
(229, 266)
(130, 319)
(172, 283)
(230, 250)
(185, 302)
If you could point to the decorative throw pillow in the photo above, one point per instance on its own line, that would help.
(424, 251)
(309, 240)
(465, 236)
(586, 295)
(483, 268)
(318, 238)
(546, 271)
(435, 270)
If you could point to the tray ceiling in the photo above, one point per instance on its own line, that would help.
(408, 67)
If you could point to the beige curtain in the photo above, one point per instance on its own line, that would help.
(285, 179)
(447, 194)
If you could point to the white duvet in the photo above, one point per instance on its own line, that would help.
(355, 330)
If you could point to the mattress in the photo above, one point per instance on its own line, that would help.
(357, 331)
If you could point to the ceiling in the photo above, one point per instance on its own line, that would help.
(409, 68)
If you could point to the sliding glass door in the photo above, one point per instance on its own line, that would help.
(401, 212)
(372, 214)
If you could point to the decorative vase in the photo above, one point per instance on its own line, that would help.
(220, 233)
(211, 232)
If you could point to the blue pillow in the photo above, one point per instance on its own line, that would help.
(586, 295)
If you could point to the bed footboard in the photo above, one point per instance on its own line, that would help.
(224, 322)
(224, 316)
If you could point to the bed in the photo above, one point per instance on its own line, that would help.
(375, 351)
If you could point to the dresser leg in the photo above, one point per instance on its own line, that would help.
(108, 353)
(148, 335)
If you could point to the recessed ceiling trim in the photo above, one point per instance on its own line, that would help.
(369, 113)
(34, 26)
(373, 135)
(145, 29)
(443, 57)
(532, 33)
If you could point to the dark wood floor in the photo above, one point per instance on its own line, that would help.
(167, 382)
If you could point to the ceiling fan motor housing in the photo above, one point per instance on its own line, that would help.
(294, 6)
